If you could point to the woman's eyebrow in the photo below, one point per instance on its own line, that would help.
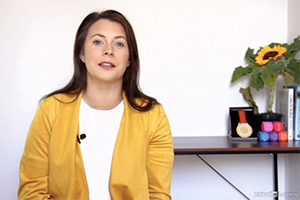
(117, 37)
(97, 34)
(102, 36)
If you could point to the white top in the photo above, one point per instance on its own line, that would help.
(101, 128)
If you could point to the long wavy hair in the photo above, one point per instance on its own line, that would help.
(130, 85)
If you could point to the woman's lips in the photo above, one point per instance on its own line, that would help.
(106, 64)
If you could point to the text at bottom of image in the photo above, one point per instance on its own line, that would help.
(276, 194)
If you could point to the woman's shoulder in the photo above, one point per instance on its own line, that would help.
(60, 98)
(57, 103)
(156, 107)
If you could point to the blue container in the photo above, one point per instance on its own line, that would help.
(263, 136)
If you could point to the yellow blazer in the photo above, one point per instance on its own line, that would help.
(52, 167)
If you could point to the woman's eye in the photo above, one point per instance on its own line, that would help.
(97, 42)
(119, 44)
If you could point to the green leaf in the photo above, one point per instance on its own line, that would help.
(293, 68)
(250, 56)
(293, 48)
(241, 71)
(256, 82)
(248, 96)
(287, 78)
(291, 51)
(266, 77)
(238, 73)
(276, 44)
(275, 68)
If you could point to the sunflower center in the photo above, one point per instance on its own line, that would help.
(270, 54)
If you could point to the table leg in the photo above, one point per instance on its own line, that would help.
(275, 174)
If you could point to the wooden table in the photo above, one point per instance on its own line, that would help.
(225, 145)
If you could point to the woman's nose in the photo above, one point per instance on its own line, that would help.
(108, 51)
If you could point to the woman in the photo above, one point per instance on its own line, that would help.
(128, 150)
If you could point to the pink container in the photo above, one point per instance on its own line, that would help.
(267, 126)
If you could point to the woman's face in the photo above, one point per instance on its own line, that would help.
(106, 52)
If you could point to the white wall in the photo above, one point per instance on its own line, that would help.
(188, 51)
(293, 19)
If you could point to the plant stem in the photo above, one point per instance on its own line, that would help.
(271, 100)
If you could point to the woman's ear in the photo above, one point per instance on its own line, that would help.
(82, 58)
(128, 63)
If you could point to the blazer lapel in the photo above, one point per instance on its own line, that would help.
(128, 174)
(66, 156)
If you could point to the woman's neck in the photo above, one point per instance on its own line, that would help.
(104, 97)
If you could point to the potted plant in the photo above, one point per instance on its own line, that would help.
(265, 66)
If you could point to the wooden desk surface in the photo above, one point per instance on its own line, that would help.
(224, 145)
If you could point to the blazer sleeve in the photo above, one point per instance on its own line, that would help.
(160, 159)
(34, 162)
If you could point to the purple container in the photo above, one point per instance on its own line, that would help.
(274, 136)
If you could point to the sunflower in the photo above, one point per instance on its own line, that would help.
(267, 53)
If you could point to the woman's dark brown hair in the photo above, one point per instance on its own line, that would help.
(78, 82)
